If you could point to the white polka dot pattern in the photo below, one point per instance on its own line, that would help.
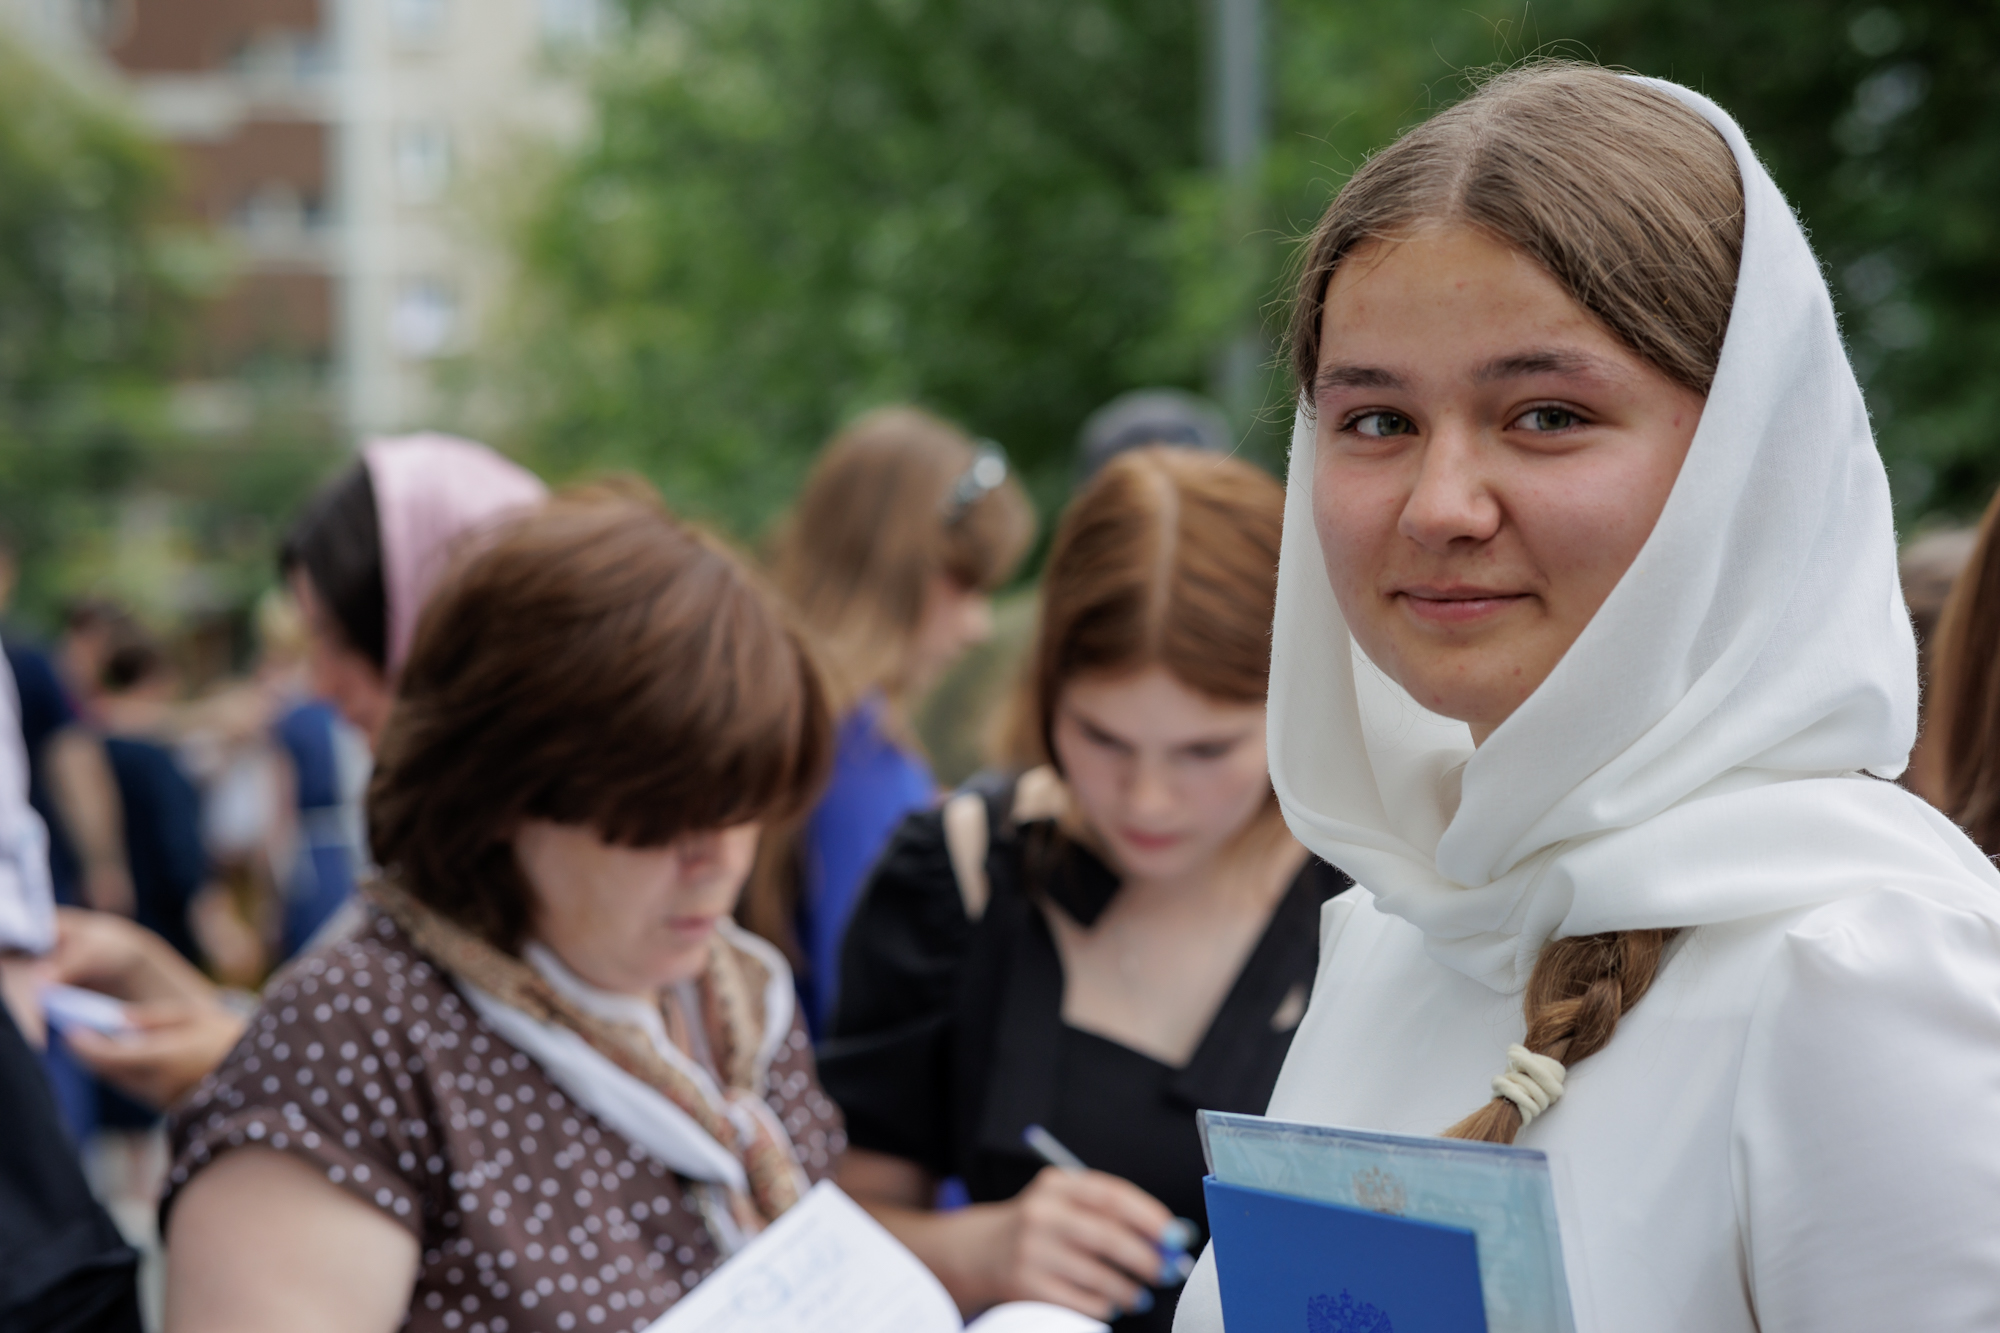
(364, 1061)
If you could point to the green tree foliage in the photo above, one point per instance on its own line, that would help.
(86, 310)
(1882, 124)
(797, 208)
(99, 286)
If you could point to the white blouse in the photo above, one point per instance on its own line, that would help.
(1794, 1130)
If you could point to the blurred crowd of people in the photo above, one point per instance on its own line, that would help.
(201, 839)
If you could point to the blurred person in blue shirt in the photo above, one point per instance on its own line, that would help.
(162, 806)
(902, 532)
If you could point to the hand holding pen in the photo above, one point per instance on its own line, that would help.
(1098, 1234)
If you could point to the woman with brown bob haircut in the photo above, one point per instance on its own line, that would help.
(549, 1085)
(1120, 937)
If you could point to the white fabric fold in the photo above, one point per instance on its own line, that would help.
(1694, 757)
(627, 1104)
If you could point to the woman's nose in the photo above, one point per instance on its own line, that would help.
(699, 852)
(1451, 500)
(1151, 793)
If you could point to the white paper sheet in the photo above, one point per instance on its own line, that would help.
(828, 1266)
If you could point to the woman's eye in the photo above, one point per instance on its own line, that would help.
(1547, 419)
(1381, 424)
(1210, 750)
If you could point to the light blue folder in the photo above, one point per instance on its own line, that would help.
(1499, 1198)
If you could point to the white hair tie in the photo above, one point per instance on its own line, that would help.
(1532, 1082)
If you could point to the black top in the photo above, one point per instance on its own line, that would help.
(948, 1040)
(63, 1265)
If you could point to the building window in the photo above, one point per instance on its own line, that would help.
(279, 55)
(569, 23)
(274, 214)
(105, 21)
(424, 323)
(417, 22)
(422, 155)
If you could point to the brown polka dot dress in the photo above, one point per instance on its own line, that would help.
(531, 1213)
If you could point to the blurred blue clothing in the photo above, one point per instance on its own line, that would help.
(876, 784)
(169, 865)
(323, 879)
(163, 843)
(46, 709)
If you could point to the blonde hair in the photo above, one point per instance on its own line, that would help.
(871, 529)
(1633, 203)
(877, 520)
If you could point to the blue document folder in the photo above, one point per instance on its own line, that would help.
(1289, 1265)
(1502, 1195)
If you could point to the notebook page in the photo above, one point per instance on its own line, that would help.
(827, 1266)
(1033, 1317)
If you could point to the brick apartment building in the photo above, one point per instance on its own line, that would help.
(344, 153)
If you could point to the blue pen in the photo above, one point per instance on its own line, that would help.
(1181, 1234)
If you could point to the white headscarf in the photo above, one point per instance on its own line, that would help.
(1698, 754)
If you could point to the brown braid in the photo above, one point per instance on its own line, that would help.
(1578, 991)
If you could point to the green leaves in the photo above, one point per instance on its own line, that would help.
(792, 212)
(796, 209)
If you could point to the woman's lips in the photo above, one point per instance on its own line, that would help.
(1457, 606)
(1148, 842)
(691, 925)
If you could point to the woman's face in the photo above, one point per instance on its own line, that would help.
(1490, 460)
(341, 676)
(1165, 776)
(955, 618)
(631, 920)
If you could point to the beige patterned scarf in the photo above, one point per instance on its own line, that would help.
(732, 991)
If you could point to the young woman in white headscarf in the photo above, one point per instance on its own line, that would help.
(1588, 662)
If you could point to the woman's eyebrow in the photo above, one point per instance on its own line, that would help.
(1199, 742)
(1100, 732)
(1549, 362)
(1356, 377)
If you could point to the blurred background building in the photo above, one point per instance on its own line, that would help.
(337, 150)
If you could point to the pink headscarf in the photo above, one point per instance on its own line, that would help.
(431, 491)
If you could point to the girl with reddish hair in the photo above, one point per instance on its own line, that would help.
(1119, 937)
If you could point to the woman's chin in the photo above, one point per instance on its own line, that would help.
(666, 966)
(1159, 862)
